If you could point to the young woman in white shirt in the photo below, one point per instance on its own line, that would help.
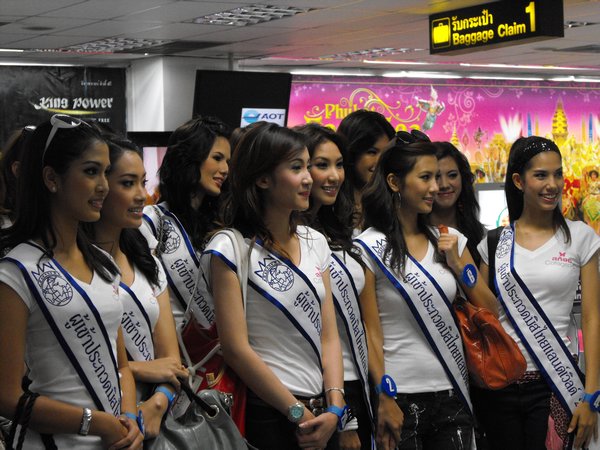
(367, 134)
(59, 308)
(285, 345)
(147, 323)
(192, 174)
(330, 212)
(539, 260)
(455, 205)
(416, 352)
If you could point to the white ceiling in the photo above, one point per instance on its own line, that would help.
(335, 26)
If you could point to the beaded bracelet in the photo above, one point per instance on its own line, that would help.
(341, 390)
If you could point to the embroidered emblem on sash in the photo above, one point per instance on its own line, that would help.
(170, 240)
(57, 291)
(379, 247)
(504, 246)
(279, 276)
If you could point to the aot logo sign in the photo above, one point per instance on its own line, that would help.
(252, 115)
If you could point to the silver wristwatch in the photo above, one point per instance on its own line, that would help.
(295, 412)
(86, 421)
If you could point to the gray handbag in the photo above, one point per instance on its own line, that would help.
(206, 424)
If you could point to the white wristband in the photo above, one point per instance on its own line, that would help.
(351, 425)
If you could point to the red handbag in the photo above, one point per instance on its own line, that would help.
(203, 348)
(493, 358)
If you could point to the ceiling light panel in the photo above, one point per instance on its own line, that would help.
(370, 54)
(578, 24)
(250, 15)
(112, 45)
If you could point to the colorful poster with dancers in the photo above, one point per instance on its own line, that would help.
(481, 117)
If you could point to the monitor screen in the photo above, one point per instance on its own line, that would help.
(492, 203)
(242, 98)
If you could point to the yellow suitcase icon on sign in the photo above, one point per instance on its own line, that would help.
(440, 32)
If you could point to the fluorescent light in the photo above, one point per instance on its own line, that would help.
(523, 66)
(12, 50)
(576, 80)
(331, 73)
(410, 74)
(24, 63)
(587, 80)
(400, 63)
(504, 77)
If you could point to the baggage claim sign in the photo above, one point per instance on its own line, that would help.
(497, 24)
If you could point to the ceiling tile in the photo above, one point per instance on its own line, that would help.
(51, 42)
(109, 28)
(34, 7)
(106, 9)
(179, 11)
(43, 25)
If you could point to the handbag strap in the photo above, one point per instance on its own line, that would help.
(493, 237)
(17, 418)
(22, 417)
(211, 410)
(160, 230)
(242, 273)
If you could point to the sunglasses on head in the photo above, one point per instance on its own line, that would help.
(414, 136)
(61, 121)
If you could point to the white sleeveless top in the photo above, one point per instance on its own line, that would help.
(50, 370)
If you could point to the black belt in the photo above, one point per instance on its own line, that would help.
(316, 405)
(433, 394)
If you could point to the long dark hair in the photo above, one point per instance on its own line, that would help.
(179, 174)
(258, 153)
(381, 204)
(131, 240)
(467, 220)
(33, 199)
(12, 153)
(519, 161)
(334, 221)
(362, 129)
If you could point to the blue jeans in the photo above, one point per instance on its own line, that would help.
(435, 421)
(515, 417)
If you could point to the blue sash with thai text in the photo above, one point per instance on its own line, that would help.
(137, 329)
(345, 300)
(431, 309)
(285, 286)
(76, 323)
(538, 335)
(180, 262)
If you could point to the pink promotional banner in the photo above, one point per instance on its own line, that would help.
(481, 117)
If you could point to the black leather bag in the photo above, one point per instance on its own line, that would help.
(205, 424)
